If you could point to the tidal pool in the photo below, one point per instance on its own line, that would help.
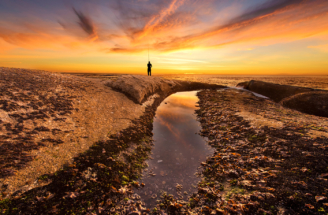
(178, 149)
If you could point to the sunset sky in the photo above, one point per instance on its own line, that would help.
(247, 37)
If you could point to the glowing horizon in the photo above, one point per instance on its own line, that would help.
(256, 37)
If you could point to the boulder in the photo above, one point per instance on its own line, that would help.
(243, 84)
(315, 103)
(303, 99)
(138, 87)
(276, 92)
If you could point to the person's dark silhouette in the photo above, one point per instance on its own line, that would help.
(149, 68)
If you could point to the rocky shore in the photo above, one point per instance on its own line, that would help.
(268, 159)
(78, 157)
(76, 145)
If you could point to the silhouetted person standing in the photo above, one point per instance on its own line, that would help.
(149, 68)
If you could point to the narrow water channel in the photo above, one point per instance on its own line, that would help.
(178, 149)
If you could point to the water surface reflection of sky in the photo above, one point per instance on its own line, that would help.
(178, 150)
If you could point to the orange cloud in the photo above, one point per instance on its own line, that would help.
(157, 19)
(287, 22)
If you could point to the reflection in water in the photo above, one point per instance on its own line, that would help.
(178, 150)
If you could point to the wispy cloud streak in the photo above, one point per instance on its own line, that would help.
(157, 19)
(85, 23)
(249, 18)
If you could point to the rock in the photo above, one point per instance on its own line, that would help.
(282, 211)
(233, 174)
(320, 198)
(303, 99)
(243, 84)
(139, 87)
(315, 103)
(276, 92)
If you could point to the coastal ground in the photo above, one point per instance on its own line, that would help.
(71, 144)
(268, 159)
(47, 119)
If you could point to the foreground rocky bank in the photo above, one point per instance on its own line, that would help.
(48, 124)
(268, 159)
(47, 119)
